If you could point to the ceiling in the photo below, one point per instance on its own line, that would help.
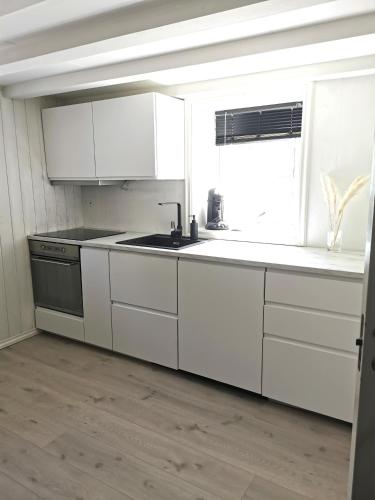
(22, 17)
(6, 6)
(53, 47)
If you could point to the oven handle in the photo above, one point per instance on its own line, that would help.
(59, 263)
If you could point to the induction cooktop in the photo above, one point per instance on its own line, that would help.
(80, 234)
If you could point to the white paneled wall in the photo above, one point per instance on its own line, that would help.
(28, 204)
(341, 143)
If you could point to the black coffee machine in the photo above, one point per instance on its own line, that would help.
(215, 211)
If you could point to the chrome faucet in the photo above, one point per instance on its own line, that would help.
(176, 232)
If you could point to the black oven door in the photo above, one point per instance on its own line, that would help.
(57, 285)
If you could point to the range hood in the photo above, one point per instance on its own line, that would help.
(87, 182)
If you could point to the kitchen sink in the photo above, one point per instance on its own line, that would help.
(160, 241)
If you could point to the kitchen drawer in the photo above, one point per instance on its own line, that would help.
(320, 328)
(144, 280)
(313, 378)
(144, 334)
(60, 323)
(316, 292)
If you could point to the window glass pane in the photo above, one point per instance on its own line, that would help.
(261, 186)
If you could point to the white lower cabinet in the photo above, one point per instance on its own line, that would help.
(288, 335)
(143, 334)
(320, 328)
(309, 353)
(220, 322)
(144, 280)
(313, 378)
(96, 297)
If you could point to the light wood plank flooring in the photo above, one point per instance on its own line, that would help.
(80, 423)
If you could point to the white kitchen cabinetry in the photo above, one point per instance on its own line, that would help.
(309, 353)
(317, 292)
(60, 323)
(144, 334)
(96, 297)
(140, 136)
(221, 322)
(68, 139)
(313, 378)
(144, 306)
(148, 281)
(133, 137)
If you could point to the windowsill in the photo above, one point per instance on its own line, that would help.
(236, 235)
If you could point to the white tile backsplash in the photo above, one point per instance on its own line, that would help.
(134, 208)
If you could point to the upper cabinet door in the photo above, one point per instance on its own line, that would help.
(69, 142)
(124, 132)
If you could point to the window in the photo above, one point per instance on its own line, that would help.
(257, 168)
(260, 182)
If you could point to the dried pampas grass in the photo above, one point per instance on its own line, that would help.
(336, 203)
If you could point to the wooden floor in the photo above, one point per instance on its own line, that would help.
(79, 423)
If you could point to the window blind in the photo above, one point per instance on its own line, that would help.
(276, 121)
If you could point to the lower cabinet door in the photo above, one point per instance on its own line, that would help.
(220, 322)
(147, 335)
(312, 378)
(96, 297)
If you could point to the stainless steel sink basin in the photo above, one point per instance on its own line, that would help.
(160, 241)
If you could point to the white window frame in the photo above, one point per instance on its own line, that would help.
(302, 171)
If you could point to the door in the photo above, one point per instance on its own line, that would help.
(362, 464)
(221, 321)
(124, 131)
(69, 141)
(96, 297)
(57, 285)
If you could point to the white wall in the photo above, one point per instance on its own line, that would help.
(28, 204)
(135, 209)
(341, 143)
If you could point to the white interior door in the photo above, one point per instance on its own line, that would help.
(362, 465)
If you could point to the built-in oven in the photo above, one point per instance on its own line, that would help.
(56, 275)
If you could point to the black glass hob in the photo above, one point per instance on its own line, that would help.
(80, 234)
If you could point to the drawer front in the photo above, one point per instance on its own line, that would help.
(316, 292)
(60, 323)
(312, 378)
(144, 280)
(145, 335)
(320, 328)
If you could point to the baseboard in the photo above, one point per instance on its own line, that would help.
(18, 338)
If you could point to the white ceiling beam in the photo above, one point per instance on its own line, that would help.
(49, 13)
(252, 20)
(356, 33)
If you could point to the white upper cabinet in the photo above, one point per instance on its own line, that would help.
(140, 136)
(133, 137)
(124, 132)
(68, 138)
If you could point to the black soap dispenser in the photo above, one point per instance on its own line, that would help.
(193, 229)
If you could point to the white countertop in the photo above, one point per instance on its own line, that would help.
(305, 259)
